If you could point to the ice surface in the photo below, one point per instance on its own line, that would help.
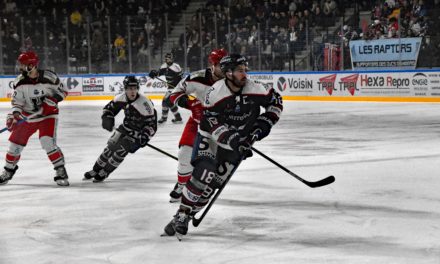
(383, 208)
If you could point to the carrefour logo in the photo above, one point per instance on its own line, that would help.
(282, 84)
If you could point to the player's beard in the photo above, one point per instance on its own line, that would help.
(238, 82)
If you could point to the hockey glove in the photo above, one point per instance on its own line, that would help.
(260, 130)
(108, 122)
(143, 140)
(12, 120)
(153, 74)
(49, 106)
(196, 109)
(243, 148)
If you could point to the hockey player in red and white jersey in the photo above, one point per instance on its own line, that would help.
(195, 85)
(232, 121)
(139, 125)
(36, 95)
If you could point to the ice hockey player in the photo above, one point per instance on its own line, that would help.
(196, 85)
(139, 125)
(173, 74)
(35, 101)
(232, 121)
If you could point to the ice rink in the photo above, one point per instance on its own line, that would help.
(383, 208)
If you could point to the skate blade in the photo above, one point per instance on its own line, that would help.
(62, 183)
(179, 236)
(86, 179)
(98, 181)
(175, 200)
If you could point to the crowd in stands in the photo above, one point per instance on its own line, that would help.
(277, 29)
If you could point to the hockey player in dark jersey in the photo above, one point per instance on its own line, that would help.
(173, 74)
(35, 99)
(231, 122)
(139, 125)
(196, 85)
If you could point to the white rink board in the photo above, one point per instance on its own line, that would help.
(413, 85)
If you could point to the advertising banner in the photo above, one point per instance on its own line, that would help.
(408, 85)
(352, 84)
(380, 54)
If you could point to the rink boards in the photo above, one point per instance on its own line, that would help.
(387, 86)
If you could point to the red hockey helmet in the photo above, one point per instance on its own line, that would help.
(28, 58)
(216, 55)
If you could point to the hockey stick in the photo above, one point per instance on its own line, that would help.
(21, 121)
(161, 151)
(196, 221)
(314, 184)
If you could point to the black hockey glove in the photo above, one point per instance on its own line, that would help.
(260, 130)
(143, 140)
(243, 148)
(153, 74)
(108, 122)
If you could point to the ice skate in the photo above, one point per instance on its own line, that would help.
(61, 177)
(162, 120)
(177, 119)
(100, 176)
(169, 229)
(89, 175)
(176, 193)
(181, 220)
(7, 174)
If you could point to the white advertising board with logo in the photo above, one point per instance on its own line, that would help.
(355, 84)
(409, 85)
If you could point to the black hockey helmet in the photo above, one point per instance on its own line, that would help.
(169, 56)
(130, 80)
(231, 62)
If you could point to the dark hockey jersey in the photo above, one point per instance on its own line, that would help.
(173, 74)
(227, 112)
(140, 115)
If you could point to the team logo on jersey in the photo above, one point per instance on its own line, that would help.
(281, 84)
(36, 92)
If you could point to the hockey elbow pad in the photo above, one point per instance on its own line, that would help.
(108, 122)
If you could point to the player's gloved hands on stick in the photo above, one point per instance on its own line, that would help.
(143, 140)
(196, 109)
(12, 120)
(108, 122)
(260, 130)
(242, 147)
(153, 74)
(49, 106)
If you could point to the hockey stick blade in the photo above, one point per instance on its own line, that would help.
(320, 183)
(314, 184)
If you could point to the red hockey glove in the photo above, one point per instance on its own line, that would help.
(49, 106)
(12, 120)
(196, 108)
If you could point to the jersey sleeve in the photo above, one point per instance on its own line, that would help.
(273, 105)
(179, 95)
(54, 85)
(112, 108)
(18, 101)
